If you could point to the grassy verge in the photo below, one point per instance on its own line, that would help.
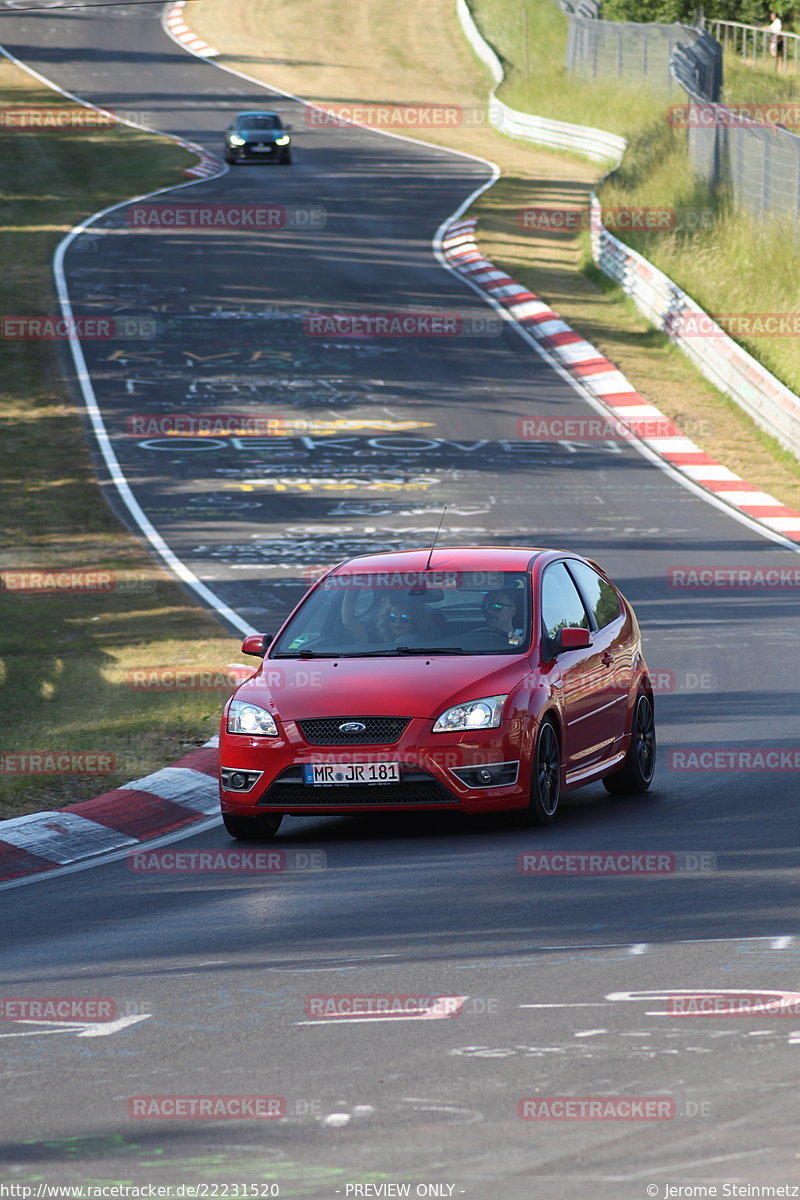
(66, 660)
(757, 83)
(397, 54)
(530, 39)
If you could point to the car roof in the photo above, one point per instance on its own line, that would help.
(258, 112)
(445, 558)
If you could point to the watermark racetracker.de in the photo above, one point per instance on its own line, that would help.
(248, 217)
(97, 328)
(78, 581)
(401, 324)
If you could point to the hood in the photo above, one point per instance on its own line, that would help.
(389, 687)
(260, 135)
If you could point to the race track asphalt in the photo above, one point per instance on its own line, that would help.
(224, 965)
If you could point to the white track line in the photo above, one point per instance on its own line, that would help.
(117, 475)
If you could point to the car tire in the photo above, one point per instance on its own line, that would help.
(286, 160)
(545, 778)
(637, 770)
(252, 828)
(229, 159)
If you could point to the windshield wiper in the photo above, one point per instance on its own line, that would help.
(335, 654)
(395, 650)
(429, 650)
(310, 654)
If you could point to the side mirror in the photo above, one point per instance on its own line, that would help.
(574, 639)
(256, 643)
(288, 127)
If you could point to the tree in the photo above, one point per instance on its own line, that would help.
(749, 12)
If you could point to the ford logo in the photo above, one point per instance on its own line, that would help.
(353, 727)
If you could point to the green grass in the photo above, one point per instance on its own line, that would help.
(750, 83)
(538, 82)
(65, 660)
(735, 264)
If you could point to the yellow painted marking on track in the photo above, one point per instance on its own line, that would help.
(280, 427)
(333, 485)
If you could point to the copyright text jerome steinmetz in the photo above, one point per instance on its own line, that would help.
(742, 1191)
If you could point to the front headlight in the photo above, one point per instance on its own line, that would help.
(235, 140)
(283, 140)
(475, 714)
(250, 719)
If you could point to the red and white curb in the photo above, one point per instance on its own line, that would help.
(180, 31)
(146, 808)
(206, 167)
(609, 386)
(174, 25)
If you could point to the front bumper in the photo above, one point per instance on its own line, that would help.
(249, 153)
(471, 772)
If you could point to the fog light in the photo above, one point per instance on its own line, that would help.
(498, 775)
(239, 781)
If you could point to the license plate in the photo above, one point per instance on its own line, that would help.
(324, 773)
(261, 149)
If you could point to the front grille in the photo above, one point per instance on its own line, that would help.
(416, 791)
(324, 731)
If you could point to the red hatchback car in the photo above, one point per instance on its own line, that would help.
(463, 679)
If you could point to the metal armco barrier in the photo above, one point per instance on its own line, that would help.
(769, 402)
(596, 144)
(773, 406)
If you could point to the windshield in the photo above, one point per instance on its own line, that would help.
(458, 612)
(263, 122)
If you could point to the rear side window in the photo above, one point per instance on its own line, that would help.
(600, 596)
(562, 607)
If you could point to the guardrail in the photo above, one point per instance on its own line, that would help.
(772, 405)
(754, 43)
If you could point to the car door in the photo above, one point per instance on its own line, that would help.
(612, 638)
(579, 674)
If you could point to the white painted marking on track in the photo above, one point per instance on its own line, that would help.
(584, 1033)
(571, 1004)
(177, 567)
(79, 1028)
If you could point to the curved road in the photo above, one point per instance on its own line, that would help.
(549, 972)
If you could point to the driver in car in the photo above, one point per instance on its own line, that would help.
(499, 610)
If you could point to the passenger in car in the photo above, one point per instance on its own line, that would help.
(393, 618)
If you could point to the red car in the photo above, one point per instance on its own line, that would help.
(470, 679)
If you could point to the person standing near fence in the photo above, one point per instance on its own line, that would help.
(776, 41)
